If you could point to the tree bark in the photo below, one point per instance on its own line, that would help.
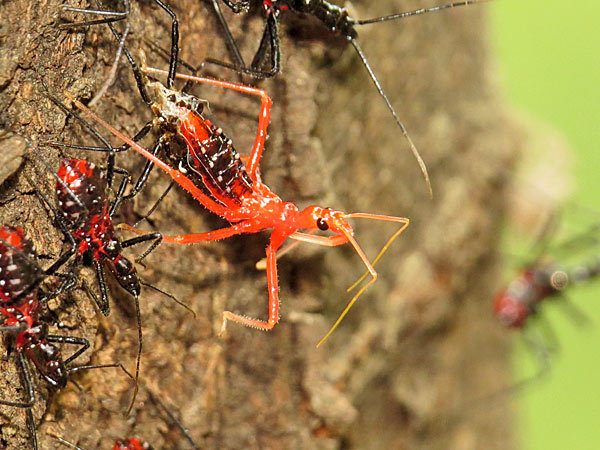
(404, 367)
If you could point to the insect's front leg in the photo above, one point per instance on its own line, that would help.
(273, 288)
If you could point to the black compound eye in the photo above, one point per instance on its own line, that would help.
(322, 225)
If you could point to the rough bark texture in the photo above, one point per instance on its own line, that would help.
(403, 368)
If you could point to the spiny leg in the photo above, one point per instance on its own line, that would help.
(273, 288)
(194, 238)
(239, 228)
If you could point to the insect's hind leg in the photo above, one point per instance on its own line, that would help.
(269, 40)
(273, 288)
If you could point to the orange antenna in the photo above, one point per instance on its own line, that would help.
(377, 258)
(363, 257)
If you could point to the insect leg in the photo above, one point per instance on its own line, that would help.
(273, 288)
(156, 237)
(102, 303)
(82, 342)
(25, 382)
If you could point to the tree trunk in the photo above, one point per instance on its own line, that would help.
(404, 367)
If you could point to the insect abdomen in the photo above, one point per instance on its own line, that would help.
(212, 155)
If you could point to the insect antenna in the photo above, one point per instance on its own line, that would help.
(138, 317)
(417, 12)
(382, 93)
(109, 16)
(64, 441)
(322, 240)
(171, 296)
(377, 258)
(171, 415)
(109, 148)
(376, 81)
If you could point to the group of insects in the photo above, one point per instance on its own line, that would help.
(197, 156)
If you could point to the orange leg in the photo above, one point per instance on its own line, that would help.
(271, 256)
(216, 235)
(264, 116)
(273, 288)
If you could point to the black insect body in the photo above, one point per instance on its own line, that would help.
(20, 277)
(92, 227)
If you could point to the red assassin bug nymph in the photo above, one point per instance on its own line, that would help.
(31, 336)
(236, 192)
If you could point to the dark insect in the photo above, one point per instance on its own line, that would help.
(30, 337)
(540, 281)
(518, 304)
(334, 18)
(85, 216)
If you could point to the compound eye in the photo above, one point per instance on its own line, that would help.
(322, 225)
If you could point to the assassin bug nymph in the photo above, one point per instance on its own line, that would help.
(334, 18)
(545, 278)
(85, 216)
(218, 178)
(29, 335)
(517, 305)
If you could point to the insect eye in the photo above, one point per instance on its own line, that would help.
(322, 225)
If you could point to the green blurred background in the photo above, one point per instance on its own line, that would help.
(550, 68)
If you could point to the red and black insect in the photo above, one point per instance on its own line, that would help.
(540, 281)
(19, 272)
(211, 170)
(29, 336)
(131, 444)
(517, 305)
(201, 159)
(92, 226)
(85, 216)
(334, 18)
